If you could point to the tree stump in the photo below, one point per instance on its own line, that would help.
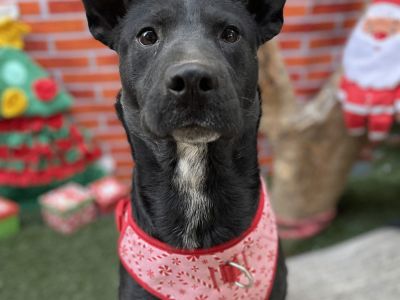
(312, 151)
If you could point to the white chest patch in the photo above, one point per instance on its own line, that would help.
(189, 179)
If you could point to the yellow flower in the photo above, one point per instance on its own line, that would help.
(13, 103)
(12, 33)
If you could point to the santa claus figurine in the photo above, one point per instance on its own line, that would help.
(370, 87)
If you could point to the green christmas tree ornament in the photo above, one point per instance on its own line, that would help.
(40, 148)
(26, 89)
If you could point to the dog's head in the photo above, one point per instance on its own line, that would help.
(188, 67)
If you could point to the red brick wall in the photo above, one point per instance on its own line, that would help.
(61, 42)
(311, 42)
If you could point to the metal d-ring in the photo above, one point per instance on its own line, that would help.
(245, 272)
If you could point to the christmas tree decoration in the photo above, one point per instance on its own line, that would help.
(68, 208)
(107, 192)
(40, 146)
(13, 103)
(9, 220)
(45, 89)
(11, 32)
(370, 87)
(20, 77)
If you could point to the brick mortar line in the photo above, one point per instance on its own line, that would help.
(308, 52)
(47, 16)
(66, 36)
(316, 34)
(71, 53)
(89, 116)
(55, 54)
(98, 95)
(314, 19)
(89, 85)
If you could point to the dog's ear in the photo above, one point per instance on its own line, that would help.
(103, 16)
(268, 15)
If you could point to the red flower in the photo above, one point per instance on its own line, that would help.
(164, 270)
(171, 283)
(271, 255)
(248, 243)
(45, 89)
(176, 261)
(140, 255)
(195, 269)
(150, 274)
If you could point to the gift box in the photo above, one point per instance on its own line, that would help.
(68, 208)
(9, 218)
(107, 192)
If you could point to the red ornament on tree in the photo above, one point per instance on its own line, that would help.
(45, 89)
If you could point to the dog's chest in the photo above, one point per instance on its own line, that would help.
(189, 179)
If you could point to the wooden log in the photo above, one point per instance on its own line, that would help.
(312, 151)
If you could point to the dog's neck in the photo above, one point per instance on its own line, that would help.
(195, 196)
(189, 179)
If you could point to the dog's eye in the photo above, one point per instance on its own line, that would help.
(147, 37)
(230, 35)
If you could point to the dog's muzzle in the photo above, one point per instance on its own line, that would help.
(195, 135)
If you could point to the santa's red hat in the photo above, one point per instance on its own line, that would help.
(396, 2)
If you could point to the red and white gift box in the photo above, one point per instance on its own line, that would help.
(107, 192)
(68, 208)
(7, 208)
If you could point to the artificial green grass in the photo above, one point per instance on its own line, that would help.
(39, 264)
(9, 226)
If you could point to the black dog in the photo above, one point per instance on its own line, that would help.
(191, 110)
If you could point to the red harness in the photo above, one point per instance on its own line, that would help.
(243, 268)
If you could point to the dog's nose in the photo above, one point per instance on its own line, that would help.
(190, 79)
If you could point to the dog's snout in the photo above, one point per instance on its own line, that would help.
(190, 79)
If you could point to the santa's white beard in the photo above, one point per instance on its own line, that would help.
(372, 63)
